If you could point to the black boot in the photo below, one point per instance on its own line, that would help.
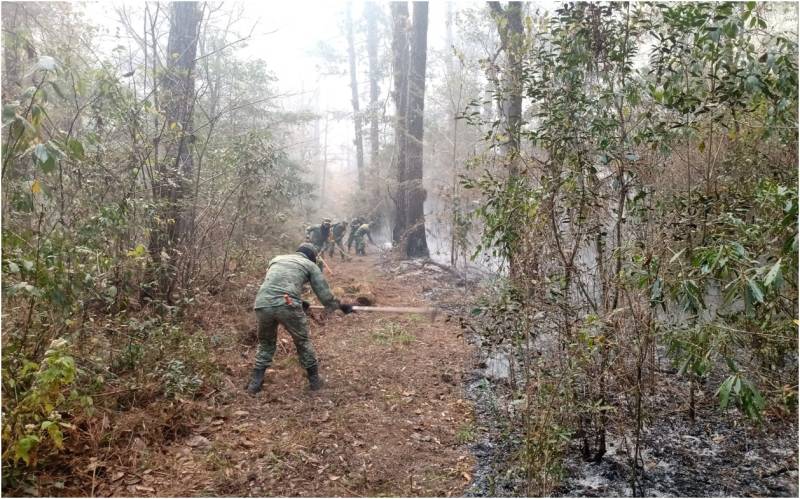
(255, 381)
(314, 381)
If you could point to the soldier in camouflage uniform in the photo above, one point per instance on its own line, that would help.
(335, 241)
(361, 245)
(354, 225)
(318, 234)
(278, 302)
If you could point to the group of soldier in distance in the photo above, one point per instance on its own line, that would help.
(327, 237)
(279, 302)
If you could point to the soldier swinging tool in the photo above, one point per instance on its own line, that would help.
(278, 302)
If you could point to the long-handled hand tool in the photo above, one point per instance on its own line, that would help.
(325, 264)
(395, 310)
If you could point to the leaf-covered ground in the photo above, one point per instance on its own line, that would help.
(392, 420)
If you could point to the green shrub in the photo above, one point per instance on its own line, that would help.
(33, 424)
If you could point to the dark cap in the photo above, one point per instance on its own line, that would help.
(308, 250)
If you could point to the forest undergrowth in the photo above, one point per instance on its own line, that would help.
(192, 430)
(647, 215)
(628, 171)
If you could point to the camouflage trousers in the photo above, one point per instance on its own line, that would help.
(361, 246)
(330, 248)
(294, 320)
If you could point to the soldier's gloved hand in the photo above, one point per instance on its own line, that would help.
(306, 305)
(346, 308)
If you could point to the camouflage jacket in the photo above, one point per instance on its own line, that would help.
(286, 275)
(317, 235)
(338, 230)
(355, 224)
(364, 231)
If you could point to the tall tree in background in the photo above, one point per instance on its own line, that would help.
(13, 45)
(509, 99)
(371, 14)
(509, 27)
(455, 108)
(173, 172)
(400, 97)
(415, 244)
(351, 55)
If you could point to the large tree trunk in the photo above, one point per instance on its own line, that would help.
(456, 105)
(324, 166)
(359, 140)
(509, 27)
(400, 97)
(12, 47)
(371, 11)
(175, 170)
(415, 242)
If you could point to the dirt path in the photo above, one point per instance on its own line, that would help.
(392, 419)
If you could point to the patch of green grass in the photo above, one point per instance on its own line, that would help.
(393, 333)
(415, 318)
(216, 460)
(465, 434)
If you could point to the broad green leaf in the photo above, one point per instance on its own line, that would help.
(24, 446)
(75, 149)
(55, 433)
(40, 153)
(9, 112)
(724, 392)
(44, 157)
(49, 165)
(755, 290)
(656, 292)
(773, 274)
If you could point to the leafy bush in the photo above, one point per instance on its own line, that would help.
(178, 380)
(33, 424)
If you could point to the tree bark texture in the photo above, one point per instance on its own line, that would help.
(371, 12)
(400, 97)
(359, 136)
(510, 29)
(175, 170)
(12, 45)
(415, 241)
